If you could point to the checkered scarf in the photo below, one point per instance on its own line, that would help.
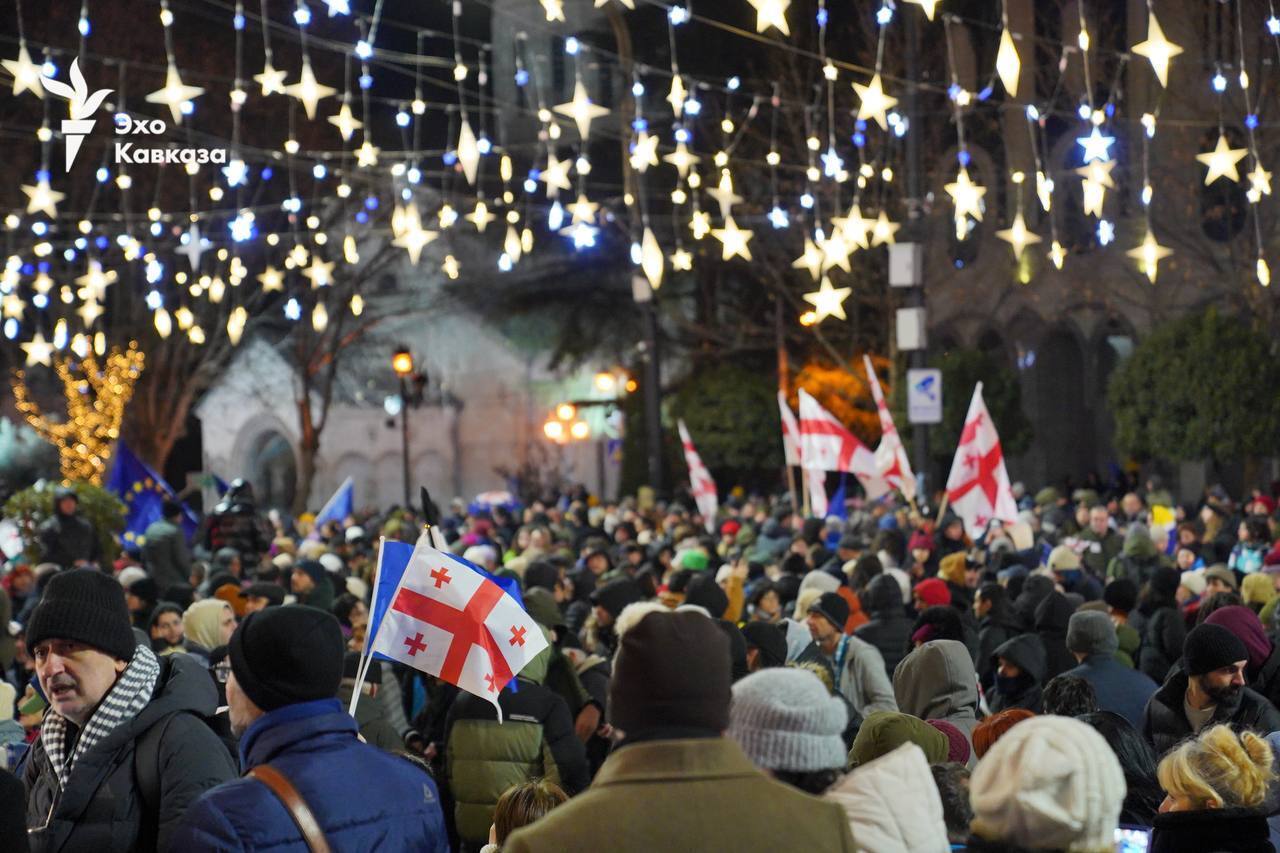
(131, 693)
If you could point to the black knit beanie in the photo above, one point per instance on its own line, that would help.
(285, 655)
(87, 606)
(1209, 647)
(672, 671)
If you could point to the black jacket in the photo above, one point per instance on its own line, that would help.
(165, 554)
(1164, 722)
(889, 629)
(1162, 639)
(65, 539)
(1027, 653)
(1052, 616)
(102, 807)
(993, 632)
(1211, 831)
(13, 805)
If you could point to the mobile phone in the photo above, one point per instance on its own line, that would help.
(1133, 839)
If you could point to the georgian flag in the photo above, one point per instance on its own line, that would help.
(790, 432)
(891, 456)
(827, 445)
(700, 482)
(978, 487)
(447, 619)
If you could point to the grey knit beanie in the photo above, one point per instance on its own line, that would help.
(1091, 633)
(784, 719)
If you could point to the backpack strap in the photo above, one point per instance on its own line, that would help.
(295, 805)
(146, 765)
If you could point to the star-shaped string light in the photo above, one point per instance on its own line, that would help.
(12, 306)
(1097, 179)
(271, 280)
(967, 197)
(1096, 146)
(645, 152)
(26, 74)
(1157, 49)
(771, 13)
(682, 159)
(1018, 235)
(835, 251)
(413, 238)
(308, 90)
(1259, 182)
(94, 283)
(734, 240)
(700, 224)
(1044, 190)
(676, 95)
(319, 273)
(681, 260)
(194, 246)
(882, 233)
(856, 227)
(554, 10)
(725, 195)
(582, 210)
(811, 260)
(446, 216)
(1008, 65)
(1149, 254)
(1057, 254)
(38, 350)
(299, 255)
(930, 7)
(41, 198)
(346, 123)
(873, 102)
(581, 110)
(480, 216)
(1222, 160)
(828, 301)
(468, 151)
(271, 80)
(89, 312)
(556, 175)
(174, 93)
(367, 154)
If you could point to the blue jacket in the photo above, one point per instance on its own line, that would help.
(364, 798)
(1122, 690)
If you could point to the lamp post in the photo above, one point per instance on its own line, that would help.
(402, 364)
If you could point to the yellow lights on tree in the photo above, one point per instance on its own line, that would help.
(96, 395)
(579, 430)
(553, 430)
(402, 363)
(566, 411)
(606, 382)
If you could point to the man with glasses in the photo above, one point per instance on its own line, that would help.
(122, 750)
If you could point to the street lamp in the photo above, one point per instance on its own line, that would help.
(402, 364)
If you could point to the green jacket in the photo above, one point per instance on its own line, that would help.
(1100, 551)
(676, 795)
(1129, 640)
(1138, 560)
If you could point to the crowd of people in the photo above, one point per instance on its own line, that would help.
(1101, 671)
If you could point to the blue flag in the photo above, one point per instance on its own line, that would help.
(144, 493)
(395, 559)
(338, 507)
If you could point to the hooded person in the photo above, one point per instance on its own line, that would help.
(1091, 637)
(1035, 590)
(1053, 614)
(1121, 599)
(858, 669)
(1263, 669)
(1049, 783)
(1020, 675)
(122, 751)
(669, 704)
(889, 629)
(536, 738)
(893, 804)
(997, 624)
(885, 731)
(1138, 559)
(311, 584)
(207, 625)
(1208, 688)
(1163, 629)
(937, 681)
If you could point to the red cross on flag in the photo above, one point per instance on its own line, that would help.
(827, 445)
(891, 456)
(700, 482)
(448, 620)
(978, 487)
(790, 432)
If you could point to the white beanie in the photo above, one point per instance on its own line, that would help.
(129, 574)
(784, 719)
(332, 563)
(1049, 783)
(481, 555)
(282, 561)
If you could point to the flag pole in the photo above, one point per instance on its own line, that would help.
(791, 483)
(366, 657)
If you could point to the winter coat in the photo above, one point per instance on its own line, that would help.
(66, 539)
(772, 542)
(102, 808)
(889, 629)
(363, 798)
(237, 525)
(13, 805)
(535, 739)
(1119, 689)
(687, 794)
(1162, 639)
(1137, 561)
(1220, 830)
(893, 804)
(1052, 616)
(1128, 641)
(863, 682)
(993, 632)
(371, 717)
(1164, 722)
(1099, 551)
(937, 682)
(1026, 652)
(165, 554)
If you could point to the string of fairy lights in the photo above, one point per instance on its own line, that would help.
(61, 264)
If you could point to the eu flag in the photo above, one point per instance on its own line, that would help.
(144, 493)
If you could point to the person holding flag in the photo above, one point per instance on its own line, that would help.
(978, 487)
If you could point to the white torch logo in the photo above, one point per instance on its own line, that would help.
(81, 106)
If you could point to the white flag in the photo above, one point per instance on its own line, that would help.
(449, 620)
(978, 487)
(827, 445)
(790, 432)
(700, 482)
(891, 456)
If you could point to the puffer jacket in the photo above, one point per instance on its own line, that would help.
(1027, 653)
(1052, 616)
(102, 807)
(1162, 639)
(1164, 722)
(889, 628)
(937, 681)
(363, 798)
(893, 804)
(535, 739)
